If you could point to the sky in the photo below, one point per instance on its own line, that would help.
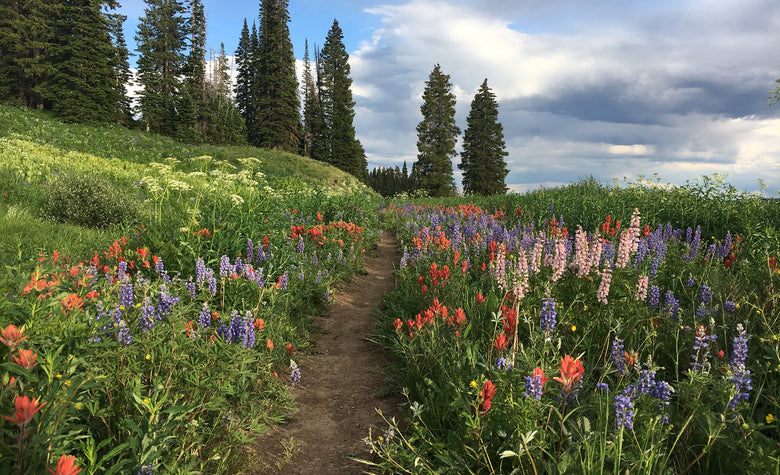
(663, 90)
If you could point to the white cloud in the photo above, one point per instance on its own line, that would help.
(677, 88)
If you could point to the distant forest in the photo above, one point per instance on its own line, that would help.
(71, 57)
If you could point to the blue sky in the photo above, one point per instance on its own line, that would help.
(609, 88)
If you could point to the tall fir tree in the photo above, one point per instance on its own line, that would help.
(278, 107)
(436, 137)
(312, 111)
(82, 89)
(120, 68)
(482, 158)
(161, 42)
(27, 50)
(245, 75)
(338, 109)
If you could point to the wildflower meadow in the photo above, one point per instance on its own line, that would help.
(155, 298)
(527, 343)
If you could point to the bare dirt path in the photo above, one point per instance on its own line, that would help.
(342, 383)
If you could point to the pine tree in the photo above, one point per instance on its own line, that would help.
(482, 159)
(278, 118)
(161, 42)
(120, 67)
(221, 121)
(436, 137)
(195, 64)
(82, 89)
(338, 109)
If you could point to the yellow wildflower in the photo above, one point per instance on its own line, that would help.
(770, 418)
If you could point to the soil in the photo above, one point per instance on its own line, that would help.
(342, 384)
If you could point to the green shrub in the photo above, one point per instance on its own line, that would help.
(89, 200)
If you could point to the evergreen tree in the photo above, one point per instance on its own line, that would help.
(277, 122)
(313, 126)
(436, 137)
(195, 64)
(82, 89)
(245, 76)
(338, 109)
(482, 159)
(220, 120)
(120, 67)
(161, 43)
(27, 47)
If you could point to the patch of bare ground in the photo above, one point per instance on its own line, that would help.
(342, 385)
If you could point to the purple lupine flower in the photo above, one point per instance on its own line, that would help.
(238, 267)
(617, 355)
(126, 294)
(548, 315)
(301, 245)
(192, 289)
(326, 296)
(319, 277)
(250, 250)
(671, 304)
(145, 470)
(729, 306)
(689, 282)
(283, 281)
(121, 270)
(654, 297)
(315, 260)
(224, 266)
(654, 263)
(602, 387)
(301, 276)
(624, 409)
(204, 319)
(534, 385)
(503, 363)
(159, 267)
(259, 279)
(248, 338)
(213, 285)
(701, 348)
(704, 294)
(295, 373)
(165, 302)
(701, 310)
(646, 382)
(725, 248)
(200, 270)
(147, 315)
(741, 375)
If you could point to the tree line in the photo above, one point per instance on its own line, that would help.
(71, 57)
(482, 159)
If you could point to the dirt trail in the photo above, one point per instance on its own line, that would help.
(342, 383)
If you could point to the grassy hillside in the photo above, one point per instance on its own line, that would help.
(152, 179)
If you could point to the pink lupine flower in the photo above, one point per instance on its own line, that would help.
(581, 252)
(641, 287)
(559, 261)
(606, 279)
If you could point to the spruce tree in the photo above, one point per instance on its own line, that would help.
(245, 76)
(338, 109)
(482, 159)
(221, 121)
(120, 68)
(82, 89)
(278, 107)
(27, 50)
(161, 42)
(436, 137)
(313, 126)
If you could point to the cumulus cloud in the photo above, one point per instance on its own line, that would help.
(602, 88)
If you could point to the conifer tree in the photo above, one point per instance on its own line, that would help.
(245, 75)
(312, 111)
(161, 42)
(277, 123)
(436, 137)
(220, 121)
(27, 46)
(482, 159)
(82, 89)
(120, 67)
(338, 109)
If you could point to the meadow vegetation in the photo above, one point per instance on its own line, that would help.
(154, 296)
